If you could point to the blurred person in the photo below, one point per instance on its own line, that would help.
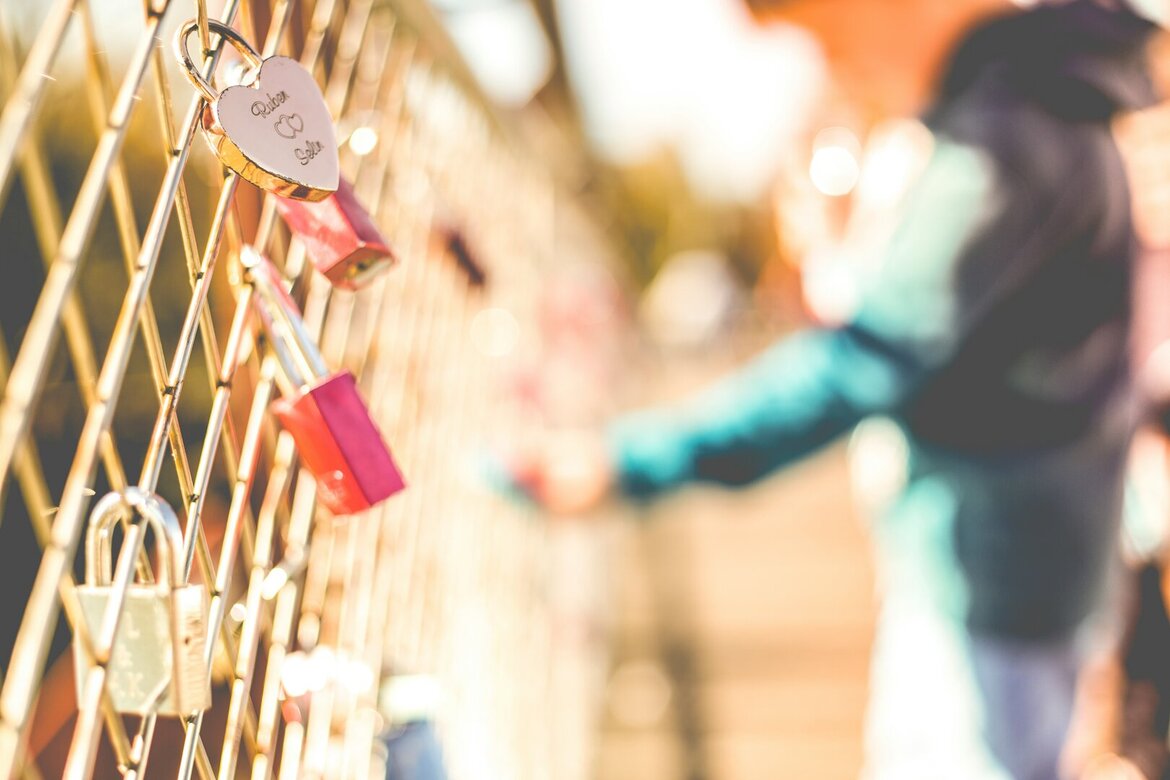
(995, 334)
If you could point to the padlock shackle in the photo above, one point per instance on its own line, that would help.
(294, 346)
(191, 70)
(156, 512)
(293, 372)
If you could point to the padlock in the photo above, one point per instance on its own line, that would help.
(157, 662)
(274, 129)
(339, 237)
(338, 441)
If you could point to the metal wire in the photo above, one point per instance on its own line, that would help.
(399, 588)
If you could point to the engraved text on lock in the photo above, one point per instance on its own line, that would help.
(281, 124)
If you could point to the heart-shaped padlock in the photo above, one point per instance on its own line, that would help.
(273, 130)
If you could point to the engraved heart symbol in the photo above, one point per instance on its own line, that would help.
(277, 132)
(288, 126)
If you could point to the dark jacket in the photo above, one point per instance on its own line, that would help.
(995, 334)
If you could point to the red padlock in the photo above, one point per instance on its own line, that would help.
(339, 236)
(338, 441)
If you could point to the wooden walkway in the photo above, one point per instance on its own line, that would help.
(743, 634)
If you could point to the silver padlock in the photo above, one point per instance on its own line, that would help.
(157, 663)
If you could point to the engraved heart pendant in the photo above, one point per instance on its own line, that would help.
(277, 132)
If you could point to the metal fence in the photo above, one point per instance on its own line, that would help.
(119, 231)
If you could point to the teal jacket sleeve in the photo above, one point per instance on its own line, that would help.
(816, 384)
(797, 396)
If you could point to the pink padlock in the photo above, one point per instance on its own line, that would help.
(339, 236)
(335, 435)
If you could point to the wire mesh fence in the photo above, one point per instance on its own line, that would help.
(132, 360)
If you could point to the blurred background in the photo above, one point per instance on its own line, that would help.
(743, 188)
(717, 154)
(706, 187)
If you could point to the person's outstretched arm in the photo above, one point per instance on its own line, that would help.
(795, 397)
(971, 233)
(968, 237)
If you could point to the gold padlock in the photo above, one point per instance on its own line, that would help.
(275, 129)
(157, 663)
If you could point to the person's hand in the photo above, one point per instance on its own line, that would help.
(567, 473)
